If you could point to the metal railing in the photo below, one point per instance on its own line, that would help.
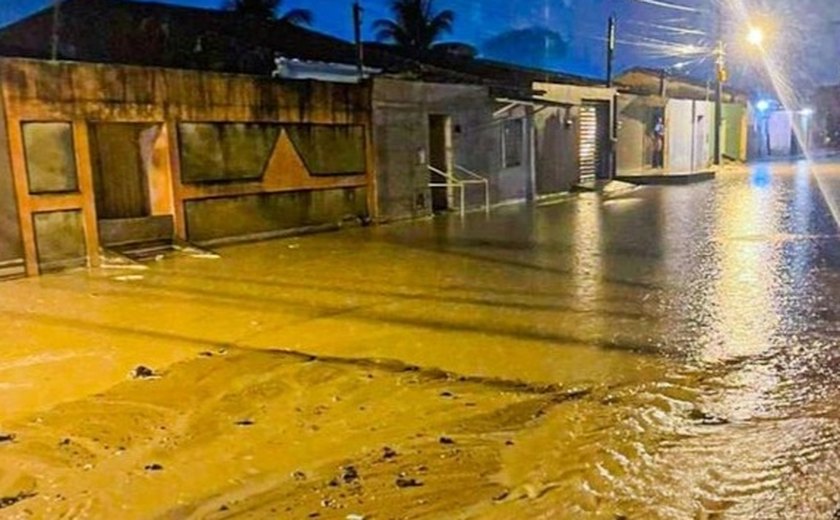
(461, 184)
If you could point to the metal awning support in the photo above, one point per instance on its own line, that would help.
(537, 104)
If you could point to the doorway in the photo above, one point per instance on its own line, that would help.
(439, 159)
(121, 156)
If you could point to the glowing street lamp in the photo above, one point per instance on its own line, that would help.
(755, 36)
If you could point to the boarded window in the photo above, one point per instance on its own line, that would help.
(60, 239)
(512, 143)
(224, 152)
(50, 158)
(330, 149)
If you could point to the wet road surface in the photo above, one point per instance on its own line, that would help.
(670, 352)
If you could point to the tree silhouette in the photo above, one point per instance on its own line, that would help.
(269, 9)
(416, 25)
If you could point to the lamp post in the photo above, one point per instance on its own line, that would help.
(720, 79)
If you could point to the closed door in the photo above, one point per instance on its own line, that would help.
(120, 181)
(594, 137)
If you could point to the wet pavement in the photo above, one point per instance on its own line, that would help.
(667, 352)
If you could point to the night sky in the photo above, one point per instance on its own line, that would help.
(651, 32)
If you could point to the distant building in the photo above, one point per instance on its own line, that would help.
(674, 116)
(826, 112)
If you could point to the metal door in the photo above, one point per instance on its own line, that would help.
(594, 139)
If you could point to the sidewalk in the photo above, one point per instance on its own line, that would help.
(667, 178)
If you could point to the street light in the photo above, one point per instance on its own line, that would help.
(755, 36)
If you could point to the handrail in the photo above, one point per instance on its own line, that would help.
(462, 184)
(480, 179)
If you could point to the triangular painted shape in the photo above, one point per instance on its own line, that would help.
(285, 168)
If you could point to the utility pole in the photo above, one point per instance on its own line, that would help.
(360, 48)
(720, 78)
(611, 31)
(610, 50)
(56, 24)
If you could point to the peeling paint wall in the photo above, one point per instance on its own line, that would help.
(271, 137)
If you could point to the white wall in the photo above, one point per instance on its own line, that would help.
(780, 129)
(678, 135)
(688, 135)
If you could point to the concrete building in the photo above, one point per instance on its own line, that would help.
(123, 157)
(527, 140)
(686, 108)
(422, 129)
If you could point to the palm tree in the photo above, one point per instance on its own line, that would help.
(269, 9)
(416, 25)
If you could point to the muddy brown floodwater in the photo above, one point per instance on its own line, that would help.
(669, 352)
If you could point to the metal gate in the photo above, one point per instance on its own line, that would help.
(594, 139)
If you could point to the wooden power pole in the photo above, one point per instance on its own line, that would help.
(360, 47)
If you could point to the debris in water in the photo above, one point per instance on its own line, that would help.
(349, 474)
(206, 353)
(446, 440)
(447, 393)
(64, 442)
(705, 418)
(224, 507)
(354, 516)
(129, 278)
(245, 422)
(405, 482)
(314, 515)
(509, 442)
(153, 467)
(12, 500)
(7, 437)
(501, 496)
(299, 475)
(143, 372)
(388, 453)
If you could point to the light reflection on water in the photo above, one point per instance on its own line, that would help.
(748, 425)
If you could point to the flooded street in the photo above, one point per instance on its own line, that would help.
(666, 352)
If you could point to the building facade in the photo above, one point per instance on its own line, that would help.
(110, 156)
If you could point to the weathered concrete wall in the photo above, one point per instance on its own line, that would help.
(558, 134)
(301, 116)
(260, 216)
(558, 144)
(401, 111)
(637, 118)
(11, 247)
(573, 94)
